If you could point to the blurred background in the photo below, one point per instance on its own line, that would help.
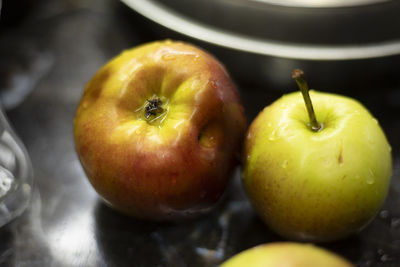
(50, 49)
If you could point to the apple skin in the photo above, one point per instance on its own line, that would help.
(316, 186)
(286, 254)
(173, 167)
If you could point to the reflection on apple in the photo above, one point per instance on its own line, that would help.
(286, 254)
(318, 173)
(159, 129)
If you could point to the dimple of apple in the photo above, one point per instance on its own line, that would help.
(286, 254)
(159, 129)
(316, 185)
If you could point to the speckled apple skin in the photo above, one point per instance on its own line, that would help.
(317, 186)
(179, 164)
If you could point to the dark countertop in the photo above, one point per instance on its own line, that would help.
(52, 49)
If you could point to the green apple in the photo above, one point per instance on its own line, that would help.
(320, 173)
(159, 129)
(286, 254)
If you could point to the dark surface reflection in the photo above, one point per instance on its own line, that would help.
(204, 241)
(66, 223)
(6, 251)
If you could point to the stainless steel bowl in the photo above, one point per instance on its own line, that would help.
(261, 41)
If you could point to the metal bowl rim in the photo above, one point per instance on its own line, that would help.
(177, 22)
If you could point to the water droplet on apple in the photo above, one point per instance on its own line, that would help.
(85, 104)
(269, 124)
(249, 135)
(168, 57)
(375, 120)
(196, 57)
(284, 164)
(370, 177)
(272, 136)
(214, 84)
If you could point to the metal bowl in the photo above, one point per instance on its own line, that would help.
(261, 41)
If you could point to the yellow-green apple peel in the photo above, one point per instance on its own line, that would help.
(286, 254)
(321, 182)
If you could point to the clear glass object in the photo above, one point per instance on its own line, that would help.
(16, 175)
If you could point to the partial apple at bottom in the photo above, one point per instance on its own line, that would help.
(286, 254)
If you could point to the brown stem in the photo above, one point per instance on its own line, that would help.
(298, 76)
(153, 107)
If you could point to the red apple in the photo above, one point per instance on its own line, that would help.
(159, 129)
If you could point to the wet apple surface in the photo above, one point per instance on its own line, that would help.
(159, 129)
(68, 225)
(318, 185)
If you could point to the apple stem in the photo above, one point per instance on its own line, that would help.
(298, 76)
(153, 107)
